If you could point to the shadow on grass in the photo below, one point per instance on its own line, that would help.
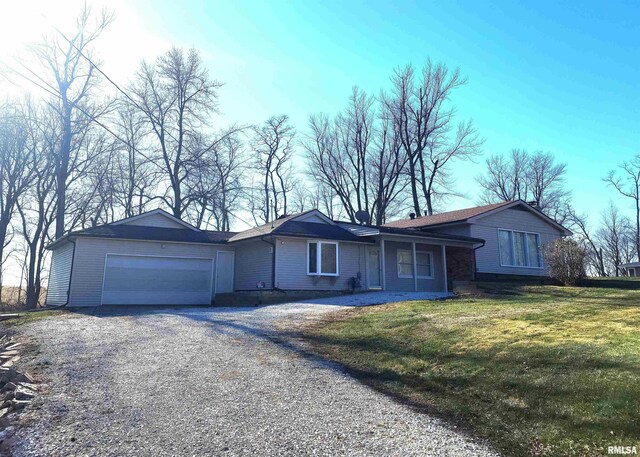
(514, 396)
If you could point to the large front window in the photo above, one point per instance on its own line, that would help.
(424, 264)
(519, 249)
(322, 258)
(405, 264)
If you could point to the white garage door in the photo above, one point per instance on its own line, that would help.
(147, 280)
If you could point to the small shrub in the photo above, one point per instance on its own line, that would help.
(355, 282)
(566, 261)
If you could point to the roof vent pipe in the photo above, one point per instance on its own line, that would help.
(412, 215)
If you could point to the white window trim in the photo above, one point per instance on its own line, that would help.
(430, 254)
(319, 258)
(398, 263)
(526, 252)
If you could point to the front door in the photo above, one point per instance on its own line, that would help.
(224, 272)
(373, 267)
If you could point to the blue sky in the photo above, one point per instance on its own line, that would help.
(556, 76)
(561, 77)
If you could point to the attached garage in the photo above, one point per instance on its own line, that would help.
(151, 259)
(155, 280)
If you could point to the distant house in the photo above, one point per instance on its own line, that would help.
(514, 235)
(155, 258)
(631, 269)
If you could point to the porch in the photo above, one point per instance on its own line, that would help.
(419, 266)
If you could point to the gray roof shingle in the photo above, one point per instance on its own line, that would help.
(285, 226)
(140, 232)
(460, 215)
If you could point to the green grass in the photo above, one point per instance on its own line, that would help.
(32, 316)
(543, 371)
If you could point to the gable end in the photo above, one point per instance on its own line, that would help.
(157, 218)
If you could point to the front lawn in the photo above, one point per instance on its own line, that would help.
(540, 371)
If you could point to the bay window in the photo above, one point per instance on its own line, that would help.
(519, 249)
(322, 258)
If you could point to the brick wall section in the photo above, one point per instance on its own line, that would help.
(460, 264)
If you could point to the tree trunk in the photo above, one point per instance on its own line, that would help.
(4, 225)
(32, 293)
(63, 171)
(638, 228)
(177, 204)
(414, 188)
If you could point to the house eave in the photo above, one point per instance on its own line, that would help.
(69, 236)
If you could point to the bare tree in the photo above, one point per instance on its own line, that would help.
(593, 248)
(424, 122)
(71, 80)
(273, 148)
(16, 171)
(628, 185)
(228, 164)
(386, 166)
(302, 197)
(134, 177)
(218, 187)
(308, 195)
(535, 178)
(505, 178)
(89, 195)
(176, 96)
(616, 233)
(358, 156)
(37, 208)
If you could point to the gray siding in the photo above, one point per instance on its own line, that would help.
(59, 275)
(88, 267)
(394, 283)
(291, 266)
(254, 262)
(156, 220)
(488, 257)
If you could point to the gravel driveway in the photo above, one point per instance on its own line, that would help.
(221, 381)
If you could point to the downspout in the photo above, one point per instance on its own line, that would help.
(73, 259)
(273, 264)
(475, 261)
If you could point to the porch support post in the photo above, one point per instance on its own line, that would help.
(415, 267)
(444, 264)
(383, 272)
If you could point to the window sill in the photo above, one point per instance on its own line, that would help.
(522, 266)
(331, 275)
